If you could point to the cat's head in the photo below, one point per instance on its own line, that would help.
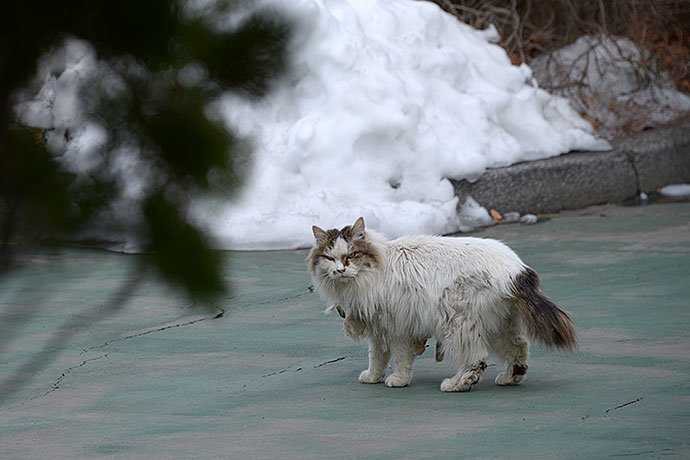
(340, 255)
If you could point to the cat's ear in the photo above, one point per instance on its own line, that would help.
(358, 228)
(320, 235)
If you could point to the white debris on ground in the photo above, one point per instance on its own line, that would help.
(529, 219)
(675, 191)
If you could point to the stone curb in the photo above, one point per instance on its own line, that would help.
(642, 162)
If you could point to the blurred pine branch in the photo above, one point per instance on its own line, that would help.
(138, 97)
(158, 66)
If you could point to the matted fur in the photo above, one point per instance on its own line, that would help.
(473, 295)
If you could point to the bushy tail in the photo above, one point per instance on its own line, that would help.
(543, 319)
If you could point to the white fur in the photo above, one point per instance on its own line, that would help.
(456, 290)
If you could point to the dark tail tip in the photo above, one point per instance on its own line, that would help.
(543, 319)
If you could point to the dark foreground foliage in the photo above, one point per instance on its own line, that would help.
(149, 110)
(140, 96)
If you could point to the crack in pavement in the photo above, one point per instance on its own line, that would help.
(56, 385)
(300, 368)
(330, 362)
(159, 329)
(310, 289)
(623, 405)
(281, 372)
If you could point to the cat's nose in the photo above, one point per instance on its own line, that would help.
(339, 268)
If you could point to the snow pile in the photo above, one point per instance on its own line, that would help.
(606, 81)
(388, 98)
(57, 107)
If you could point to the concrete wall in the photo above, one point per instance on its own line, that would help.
(643, 162)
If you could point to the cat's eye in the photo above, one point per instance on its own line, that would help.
(329, 258)
(351, 255)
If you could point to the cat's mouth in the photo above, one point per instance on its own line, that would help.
(340, 275)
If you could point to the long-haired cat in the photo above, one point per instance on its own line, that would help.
(473, 295)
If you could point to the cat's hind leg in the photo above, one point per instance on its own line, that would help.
(379, 354)
(467, 349)
(404, 353)
(515, 354)
(512, 346)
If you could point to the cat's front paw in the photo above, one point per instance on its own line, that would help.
(397, 380)
(369, 377)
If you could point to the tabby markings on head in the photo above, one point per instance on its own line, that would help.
(347, 245)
